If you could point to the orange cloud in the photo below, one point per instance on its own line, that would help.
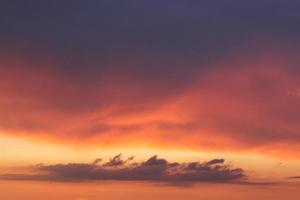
(241, 102)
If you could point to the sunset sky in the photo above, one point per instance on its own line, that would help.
(136, 99)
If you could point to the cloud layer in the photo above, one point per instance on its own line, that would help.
(153, 169)
(201, 75)
(234, 103)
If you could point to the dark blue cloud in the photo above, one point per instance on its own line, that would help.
(153, 40)
(96, 29)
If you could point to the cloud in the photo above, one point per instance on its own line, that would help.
(227, 105)
(294, 177)
(154, 169)
(181, 76)
(216, 161)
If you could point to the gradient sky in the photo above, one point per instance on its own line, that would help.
(211, 87)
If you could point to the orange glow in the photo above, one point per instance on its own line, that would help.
(117, 190)
(224, 113)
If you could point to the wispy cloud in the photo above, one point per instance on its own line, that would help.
(294, 177)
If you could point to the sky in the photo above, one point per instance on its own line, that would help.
(177, 97)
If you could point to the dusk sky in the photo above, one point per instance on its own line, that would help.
(135, 99)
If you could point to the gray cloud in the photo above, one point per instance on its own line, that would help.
(153, 169)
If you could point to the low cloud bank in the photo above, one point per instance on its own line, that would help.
(153, 169)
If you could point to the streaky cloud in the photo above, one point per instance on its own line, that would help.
(294, 177)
